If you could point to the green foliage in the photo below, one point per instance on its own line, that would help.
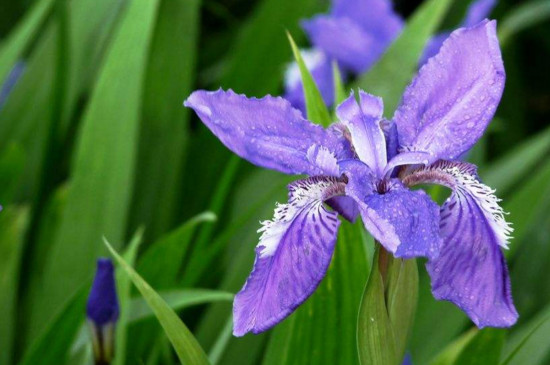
(94, 142)
(185, 345)
(316, 109)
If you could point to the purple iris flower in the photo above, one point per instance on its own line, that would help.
(355, 34)
(477, 11)
(102, 311)
(354, 170)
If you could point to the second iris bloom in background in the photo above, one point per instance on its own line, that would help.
(355, 34)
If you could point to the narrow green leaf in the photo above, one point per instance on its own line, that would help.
(376, 342)
(185, 345)
(529, 343)
(316, 109)
(391, 74)
(13, 222)
(11, 167)
(13, 48)
(162, 261)
(402, 298)
(484, 349)
(529, 201)
(512, 168)
(220, 345)
(103, 170)
(332, 309)
(52, 346)
(163, 130)
(340, 93)
(449, 354)
(123, 291)
(525, 15)
(177, 299)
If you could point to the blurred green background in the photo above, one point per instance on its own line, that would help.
(94, 142)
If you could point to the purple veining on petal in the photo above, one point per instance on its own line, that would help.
(470, 271)
(267, 132)
(292, 256)
(447, 107)
(363, 121)
(320, 67)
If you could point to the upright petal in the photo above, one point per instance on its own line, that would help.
(375, 16)
(344, 40)
(447, 107)
(433, 47)
(363, 121)
(267, 132)
(292, 256)
(470, 271)
(405, 222)
(320, 67)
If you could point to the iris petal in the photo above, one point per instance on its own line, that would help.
(268, 132)
(470, 271)
(447, 107)
(292, 256)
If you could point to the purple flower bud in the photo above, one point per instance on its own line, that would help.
(102, 311)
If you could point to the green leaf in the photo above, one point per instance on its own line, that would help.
(11, 167)
(260, 51)
(103, 170)
(529, 343)
(52, 346)
(512, 168)
(316, 109)
(449, 354)
(177, 299)
(484, 348)
(391, 74)
(402, 298)
(376, 341)
(123, 292)
(339, 89)
(332, 309)
(523, 16)
(529, 201)
(162, 261)
(13, 223)
(18, 41)
(164, 129)
(186, 346)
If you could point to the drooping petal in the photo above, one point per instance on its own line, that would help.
(470, 271)
(320, 67)
(375, 16)
(344, 40)
(292, 256)
(267, 132)
(447, 107)
(405, 222)
(363, 122)
(413, 216)
(477, 11)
